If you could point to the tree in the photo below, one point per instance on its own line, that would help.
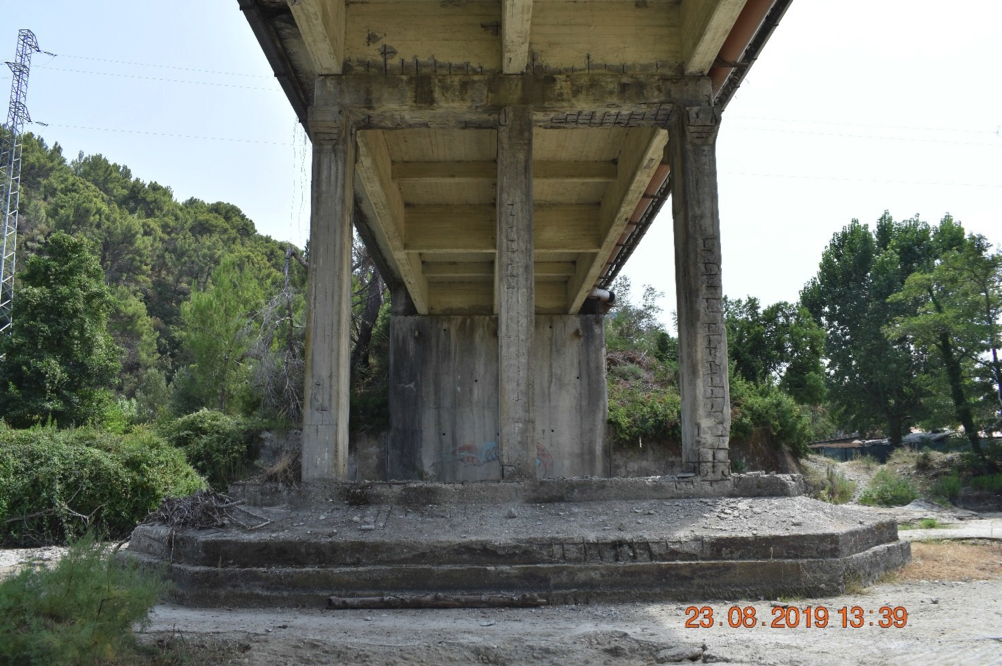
(219, 329)
(780, 345)
(59, 361)
(955, 313)
(632, 326)
(870, 377)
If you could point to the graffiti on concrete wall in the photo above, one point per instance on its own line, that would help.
(471, 455)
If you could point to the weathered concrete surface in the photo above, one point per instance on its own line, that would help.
(444, 398)
(565, 552)
(706, 415)
(515, 295)
(542, 491)
(570, 396)
(328, 320)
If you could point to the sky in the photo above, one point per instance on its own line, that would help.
(854, 107)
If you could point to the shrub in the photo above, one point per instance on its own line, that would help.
(992, 482)
(829, 486)
(57, 483)
(220, 447)
(887, 488)
(636, 413)
(766, 409)
(947, 487)
(80, 611)
(866, 461)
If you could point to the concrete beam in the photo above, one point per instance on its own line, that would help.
(383, 203)
(514, 294)
(322, 24)
(640, 159)
(516, 20)
(706, 411)
(705, 26)
(587, 99)
(328, 321)
(472, 228)
(457, 172)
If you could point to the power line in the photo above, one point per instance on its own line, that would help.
(167, 134)
(183, 69)
(864, 136)
(858, 180)
(156, 78)
(898, 127)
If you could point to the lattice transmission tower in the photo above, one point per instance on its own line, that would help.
(10, 169)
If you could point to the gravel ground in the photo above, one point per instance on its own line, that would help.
(948, 623)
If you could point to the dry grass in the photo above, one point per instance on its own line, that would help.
(951, 560)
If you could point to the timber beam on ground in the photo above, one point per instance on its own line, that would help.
(586, 99)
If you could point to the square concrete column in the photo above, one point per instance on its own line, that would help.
(706, 412)
(328, 320)
(515, 294)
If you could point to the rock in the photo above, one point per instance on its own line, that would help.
(511, 513)
(678, 654)
(367, 528)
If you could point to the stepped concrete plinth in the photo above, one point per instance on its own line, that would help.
(384, 543)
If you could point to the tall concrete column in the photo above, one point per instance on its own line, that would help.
(325, 399)
(706, 413)
(515, 293)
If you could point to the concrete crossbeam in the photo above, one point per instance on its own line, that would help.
(593, 99)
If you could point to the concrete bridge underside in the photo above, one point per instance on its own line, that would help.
(497, 157)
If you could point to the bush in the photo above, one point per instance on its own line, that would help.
(81, 611)
(220, 447)
(54, 484)
(947, 487)
(837, 488)
(992, 482)
(887, 488)
(636, 414)
(765, 409)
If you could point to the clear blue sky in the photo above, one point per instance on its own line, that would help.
(855, 107)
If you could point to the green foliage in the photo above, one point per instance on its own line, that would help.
(154, 252)
(764, 410)
(947, 487)
(955, 317)
(80, 611)
(218, 332)
(59, 361)
(637, 413)
(887, 488)
(781, 344)
(871, 377)
(57, 483)
(219, 446)
(990, 482)
(829, 486)
(923, 524)
(634, 327)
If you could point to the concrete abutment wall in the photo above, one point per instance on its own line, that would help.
(444, 400)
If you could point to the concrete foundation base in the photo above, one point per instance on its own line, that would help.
(555, 552)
